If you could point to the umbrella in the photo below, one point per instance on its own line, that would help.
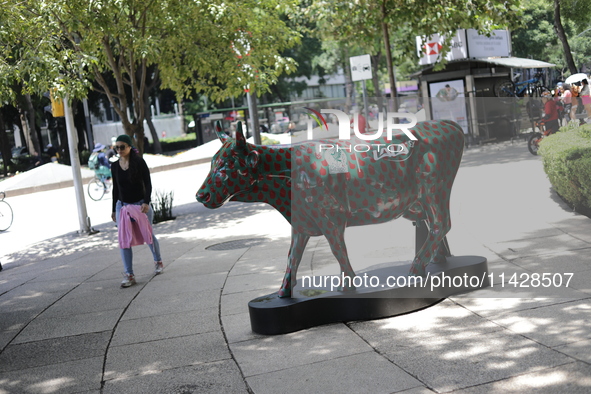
(576, 78)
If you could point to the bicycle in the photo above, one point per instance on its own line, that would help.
(532, 87)
(533, 144)
(100, 185)
(6, 214)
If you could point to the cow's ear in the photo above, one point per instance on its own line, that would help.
(220, 132)
(240, 140)
(252, 159)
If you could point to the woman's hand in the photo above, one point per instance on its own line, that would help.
(145, 208)
(114, 217)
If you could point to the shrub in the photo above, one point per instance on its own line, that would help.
(567, 162)
(162, 206)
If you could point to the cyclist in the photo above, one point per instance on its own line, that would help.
(550, 118)
(99, 163)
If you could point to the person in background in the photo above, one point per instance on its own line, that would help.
(585, 98)
(52, 153)
(132, 189)
(550, 118)
(99, 163)
(567, 100)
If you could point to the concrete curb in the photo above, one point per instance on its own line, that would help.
(86, 179)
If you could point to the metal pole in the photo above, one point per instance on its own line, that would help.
(89, 133)
(75, 162)
(365, 106)
(254, 116)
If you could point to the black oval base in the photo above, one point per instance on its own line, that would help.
(314, 305)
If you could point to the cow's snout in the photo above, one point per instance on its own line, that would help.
(203, 197)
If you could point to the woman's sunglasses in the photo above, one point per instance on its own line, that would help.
(120, 147)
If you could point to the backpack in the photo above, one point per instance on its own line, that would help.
(93, 162)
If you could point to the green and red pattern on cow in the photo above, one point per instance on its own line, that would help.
(322, 187)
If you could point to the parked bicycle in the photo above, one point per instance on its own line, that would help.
(532, 87)
(6, 215)
(99, 186)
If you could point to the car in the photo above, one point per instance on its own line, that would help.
(19, 151)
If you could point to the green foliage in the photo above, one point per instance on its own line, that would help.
(567, 162)
(536, 38)
(268, 141)
(162, 206)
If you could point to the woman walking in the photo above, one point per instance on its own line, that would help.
(132, 188)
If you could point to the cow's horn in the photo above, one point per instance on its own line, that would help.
(240, 140)
(220, 132)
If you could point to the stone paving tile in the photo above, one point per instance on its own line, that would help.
(582, 281)
(238, 302)
(274, 353)
(64, 378)
(580, 350)
(551, 325)
(54, 351)
(237, 328)
(444, 364)
(268, 281)
(151, 357)
(501, 301)
(553, 263)
(208, 378)
(445, 319)
(40, 329)
(519, 248)
(364, 373)
(156, 304)
(6, 337)
(573, 378)
(166, 326)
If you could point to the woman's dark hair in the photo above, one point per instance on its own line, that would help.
(584, 80)
(134, 159)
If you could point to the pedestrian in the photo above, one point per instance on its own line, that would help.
(567, 98)
(550, 118)
(132, 189)
(586, 97)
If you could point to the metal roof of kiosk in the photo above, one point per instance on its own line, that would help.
(514, 62)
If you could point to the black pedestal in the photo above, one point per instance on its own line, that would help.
(313, 305)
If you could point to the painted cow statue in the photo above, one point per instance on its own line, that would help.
(323, 186)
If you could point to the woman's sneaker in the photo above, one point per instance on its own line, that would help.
(158, 267)
(128, 281)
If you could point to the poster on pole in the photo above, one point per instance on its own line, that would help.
(360, 68)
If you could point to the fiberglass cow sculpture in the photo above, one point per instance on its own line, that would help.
(323, 186)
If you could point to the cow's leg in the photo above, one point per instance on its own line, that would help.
(439, 225)
(336, 239)
(296, 251)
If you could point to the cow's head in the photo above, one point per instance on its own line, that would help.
(234, 170)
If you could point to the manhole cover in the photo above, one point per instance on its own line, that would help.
(237, 244)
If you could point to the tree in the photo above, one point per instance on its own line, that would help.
(194, 46)
(362, 21)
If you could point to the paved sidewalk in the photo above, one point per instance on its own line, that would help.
(67, 327)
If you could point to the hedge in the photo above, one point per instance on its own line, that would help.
(567, 162)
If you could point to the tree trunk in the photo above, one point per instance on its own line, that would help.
(4, 147)
(157, 147)
(391, 76)
(32, 125)
(375, 62)
(349, 87)
(562, 36)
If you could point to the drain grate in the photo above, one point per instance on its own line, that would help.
(237, 244)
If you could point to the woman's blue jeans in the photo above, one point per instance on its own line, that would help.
(127, 254)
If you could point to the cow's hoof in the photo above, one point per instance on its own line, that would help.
(346, 289)
(417, 270)
(284, 293)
